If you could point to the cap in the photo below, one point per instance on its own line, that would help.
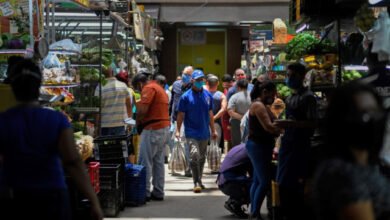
(197, 74)
(123, 76)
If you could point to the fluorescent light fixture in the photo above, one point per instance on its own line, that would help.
(91, 32)
(251, 22)
(82, 24)
(65, 14)
(373, 2)
(359, 68)
(302, 28)
(203, 24)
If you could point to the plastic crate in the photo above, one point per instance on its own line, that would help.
(93, 170)
(112, 177)
(111, 147)
(110, 202)
(135, 185)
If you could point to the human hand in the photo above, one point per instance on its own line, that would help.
(214, 135)
(177, 135)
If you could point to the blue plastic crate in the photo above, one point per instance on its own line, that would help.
(135, 185)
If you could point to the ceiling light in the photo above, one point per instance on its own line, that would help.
(65, 14)
(203, 24)
(302, 28)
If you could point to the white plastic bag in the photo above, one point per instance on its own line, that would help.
(214, 156)
(177, 161)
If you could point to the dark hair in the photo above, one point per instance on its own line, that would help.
(12, 60)
(161, 79)
(259, 87)
(139, 78)
(297, 68)
(343, 119)
(227, 78)
(242, 84)
(25, 78)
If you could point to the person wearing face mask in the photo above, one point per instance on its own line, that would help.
(179, 87)
(196, 110)
(153, 117)
(348, 184)
(301, 115)
(261, 142)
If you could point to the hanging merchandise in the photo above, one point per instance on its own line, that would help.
(65, 45)
(51, 61)
(381, 37)
(280, 31)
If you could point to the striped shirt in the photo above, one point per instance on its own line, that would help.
(114, 95)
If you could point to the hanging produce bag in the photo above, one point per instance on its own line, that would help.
(177, 162)
(214, 156)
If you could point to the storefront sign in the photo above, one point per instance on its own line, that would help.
(191, 36)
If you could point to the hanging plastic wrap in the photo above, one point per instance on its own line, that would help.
(66, 45)
(51, 61)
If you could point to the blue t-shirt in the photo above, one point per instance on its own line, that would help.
(196, 106)
(29, 139)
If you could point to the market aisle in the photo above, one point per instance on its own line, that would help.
(181, 203)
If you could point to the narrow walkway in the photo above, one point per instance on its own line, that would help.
(181, 203)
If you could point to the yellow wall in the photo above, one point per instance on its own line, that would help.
(206, 55)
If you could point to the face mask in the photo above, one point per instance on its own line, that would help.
(186, 78)
(293, 83)
(199, 85)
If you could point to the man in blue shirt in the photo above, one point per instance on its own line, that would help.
(196, 110)
(238, 74)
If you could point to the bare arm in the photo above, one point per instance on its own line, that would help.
(262, 115)
(142, 110)
(76, 168)
(223, 108)
(179, 121)
(234, 114)
(362, 210)
(129, 108)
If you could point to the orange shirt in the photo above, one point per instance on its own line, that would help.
(157, 99)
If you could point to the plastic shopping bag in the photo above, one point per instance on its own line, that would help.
(177, 162)
(214, 156)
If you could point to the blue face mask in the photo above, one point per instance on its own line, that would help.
(199, 85)
(293, 83)
(186, 78)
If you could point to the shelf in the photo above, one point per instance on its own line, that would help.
(16, 51)
(87, 109)
(85, 65)
(60, 85)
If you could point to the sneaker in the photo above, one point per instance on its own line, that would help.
(197, 188)
(202, 186)
(155, 198)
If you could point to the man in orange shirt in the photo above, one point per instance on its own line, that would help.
(153, 117)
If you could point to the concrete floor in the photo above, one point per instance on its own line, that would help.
(181, 203)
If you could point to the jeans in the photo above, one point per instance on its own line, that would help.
(198, 149)
(261, 158)
(114, 131)
(237, 190)
(152, 158)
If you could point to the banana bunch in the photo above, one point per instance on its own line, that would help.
(365, 18)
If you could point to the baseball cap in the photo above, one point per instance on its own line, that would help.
(197, 74)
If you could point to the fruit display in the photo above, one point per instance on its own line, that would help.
(322, 76)
(68, 97)
(87, 74)
(365, 18)
(84, 145)
(283, 90)
(92, 56)
(55, 76)
(277, 75)
(350, 75)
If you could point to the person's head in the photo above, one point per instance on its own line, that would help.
(25, 79)
(198, 80)
(295, 75)
(239, 74)
(355, 121)
(262, 78)
(108, 72)
(187, 73)
(266, 92)
(139, 81)
(12, 60)
(227, 81)
(161, 80)
(242, 85)
(212, 82)
(123, 77)
(178, 78)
